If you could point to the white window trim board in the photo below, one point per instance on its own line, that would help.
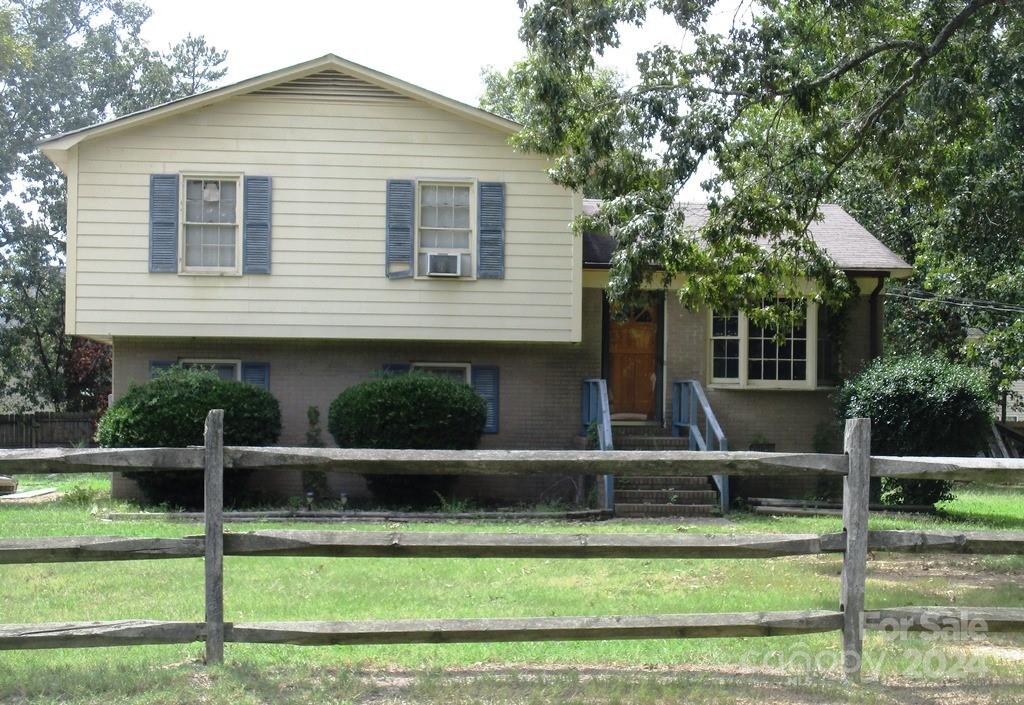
(811, 381)
(473, 228)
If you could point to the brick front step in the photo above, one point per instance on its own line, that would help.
(628, 510)
(651, 443)
(666, 496)
(639, 430)
(642, 482)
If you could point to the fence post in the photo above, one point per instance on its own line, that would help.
(856, 493)
(214, 543)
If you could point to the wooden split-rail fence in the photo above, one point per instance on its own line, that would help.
(856, 466)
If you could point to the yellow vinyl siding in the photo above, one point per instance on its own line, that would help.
(329, 161)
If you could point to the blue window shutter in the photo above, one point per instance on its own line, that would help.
(158, 366)
(398, 259)
(485, 383)
(395, 368)
(491, 235)
(163, 223)
(257, 373)
(256, 225)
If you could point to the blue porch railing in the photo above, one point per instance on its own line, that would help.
(595, 410)
(689, 407)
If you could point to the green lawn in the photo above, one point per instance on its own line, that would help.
(263, 589)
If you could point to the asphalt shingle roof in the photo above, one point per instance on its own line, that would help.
(845, 240)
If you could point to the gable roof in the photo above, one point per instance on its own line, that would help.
(843, 239)
(328, 62)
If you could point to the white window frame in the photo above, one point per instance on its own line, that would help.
(200, 361)
(740, 342)
(183, 267)
(743, 382)
(418, 250)
(465, 366)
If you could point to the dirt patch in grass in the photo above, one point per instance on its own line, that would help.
(974, 572)
(647, 686)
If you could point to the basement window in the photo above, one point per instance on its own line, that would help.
(225, 369)
(456, 371)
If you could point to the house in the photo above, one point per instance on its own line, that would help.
(307, 229)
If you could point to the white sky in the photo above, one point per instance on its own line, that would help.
(440, 45)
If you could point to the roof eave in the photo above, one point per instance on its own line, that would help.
(891, 272)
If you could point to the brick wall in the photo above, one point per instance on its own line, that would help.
(539, 398)
(787, 419)
(539, 393)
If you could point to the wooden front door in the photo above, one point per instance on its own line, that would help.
(633, 361)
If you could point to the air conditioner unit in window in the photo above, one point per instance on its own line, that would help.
(444, 264)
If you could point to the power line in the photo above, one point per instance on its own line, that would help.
(961, 302)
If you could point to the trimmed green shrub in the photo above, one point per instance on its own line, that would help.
(170, 411)
(919, 405)
(413, 410)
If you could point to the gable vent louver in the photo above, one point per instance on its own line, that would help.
(330, 85)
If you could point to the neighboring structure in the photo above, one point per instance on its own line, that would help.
(307, 229)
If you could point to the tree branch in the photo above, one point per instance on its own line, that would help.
(884, 102)
(924, 51)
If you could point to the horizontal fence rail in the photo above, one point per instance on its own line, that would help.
(855, 466)
(383, 544)
(450, 631)
(680, 463)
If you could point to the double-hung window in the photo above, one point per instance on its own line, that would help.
(746, 355)
(211, 234)
(725, 346)
(445, 229)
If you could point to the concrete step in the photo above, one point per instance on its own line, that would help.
(627, 510)
(651, 443)
(666, 496)
(642, 482)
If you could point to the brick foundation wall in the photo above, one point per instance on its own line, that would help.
(539, 397)
(538, 406)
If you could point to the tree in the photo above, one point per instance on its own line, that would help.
(65, 64)
(807, 101)
(505, 94)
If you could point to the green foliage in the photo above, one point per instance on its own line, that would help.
(785, 104)
(83, 496)
(64, 65)
(314, 438)
(919, 405)
(314, 481)
(946, 190)
(170, 411)
(414, 410)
